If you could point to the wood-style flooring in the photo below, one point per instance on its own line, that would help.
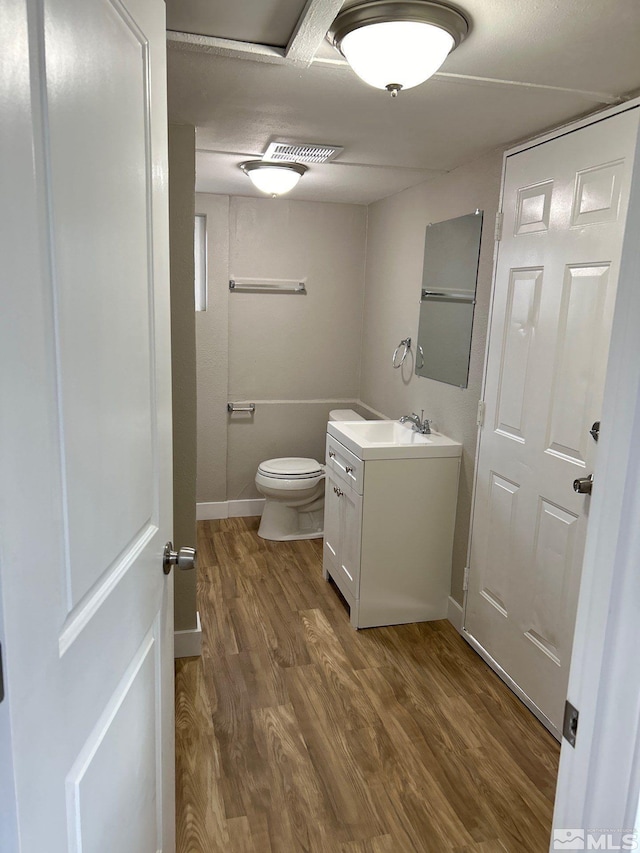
(297, 733)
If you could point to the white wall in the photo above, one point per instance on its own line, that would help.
(295, 356)
(395, 252)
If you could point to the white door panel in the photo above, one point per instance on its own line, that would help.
(564, 210)
(85, 446)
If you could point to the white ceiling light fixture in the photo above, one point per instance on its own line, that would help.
(397, 44)
(272, 178)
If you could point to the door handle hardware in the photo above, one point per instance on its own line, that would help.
(583, 485)
(184, 558)
(594, 432)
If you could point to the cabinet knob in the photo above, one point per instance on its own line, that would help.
(349, 469)
(332, 454)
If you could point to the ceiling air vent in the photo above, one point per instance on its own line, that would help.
(301, 153)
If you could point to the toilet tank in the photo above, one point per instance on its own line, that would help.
(344, 415)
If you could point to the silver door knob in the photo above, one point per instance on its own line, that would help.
(583, 485)
(184, 558)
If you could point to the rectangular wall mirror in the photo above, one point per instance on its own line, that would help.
(448, 298)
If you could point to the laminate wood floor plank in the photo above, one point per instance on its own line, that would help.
(442, 770)
(297, 734)
(294, 782)
(409, 763)
(201, 825)
(343, 688)
(334, 759)
(240, 838)
(382, 844)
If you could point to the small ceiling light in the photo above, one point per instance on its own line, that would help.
(397, 44)
(274, 179)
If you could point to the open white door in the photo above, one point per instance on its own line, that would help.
(565, 204)
(598, 794)
(85, 427)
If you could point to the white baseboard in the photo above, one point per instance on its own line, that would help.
(242, 509)
(455, 614)
(229, 509)
(188, 644)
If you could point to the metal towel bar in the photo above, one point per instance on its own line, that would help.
(448, 297)
(244, 286)
(234, 407)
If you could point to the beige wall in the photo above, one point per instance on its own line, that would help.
(212, 344)
(395, 250)
(295, 356)
(183, 360)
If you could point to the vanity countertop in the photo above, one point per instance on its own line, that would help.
(391, 440)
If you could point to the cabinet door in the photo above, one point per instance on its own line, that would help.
(351, 530)
(332, 522)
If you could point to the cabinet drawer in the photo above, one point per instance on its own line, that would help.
(344, 464)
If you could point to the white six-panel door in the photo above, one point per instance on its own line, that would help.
(85, 426)
(564, 207)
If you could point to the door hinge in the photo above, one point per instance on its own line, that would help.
(498, 231)
(1, 676)
(465, 582)
(480, 415)
(570, 724)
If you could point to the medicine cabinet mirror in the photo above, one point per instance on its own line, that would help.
(448, 298)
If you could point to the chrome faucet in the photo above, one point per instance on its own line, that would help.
(420, 424)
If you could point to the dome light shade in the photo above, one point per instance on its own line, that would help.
(402, 53)
(274, 179)
(397, 44)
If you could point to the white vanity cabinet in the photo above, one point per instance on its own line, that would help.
(342, 520)
(389, 532)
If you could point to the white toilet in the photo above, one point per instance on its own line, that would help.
(294, 491)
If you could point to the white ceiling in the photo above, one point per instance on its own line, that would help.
(258, 70)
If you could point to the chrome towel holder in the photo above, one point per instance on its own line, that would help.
(239, 407)
(406, 343)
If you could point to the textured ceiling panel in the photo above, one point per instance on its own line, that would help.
(563, 53)
(219, 173)
(269, 22)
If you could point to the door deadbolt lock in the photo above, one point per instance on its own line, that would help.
(184, 558)
(583, 485)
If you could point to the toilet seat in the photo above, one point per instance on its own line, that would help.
(291, 468)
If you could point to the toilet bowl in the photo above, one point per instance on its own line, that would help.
(293, 488)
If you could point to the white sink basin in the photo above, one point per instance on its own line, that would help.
(391, 440)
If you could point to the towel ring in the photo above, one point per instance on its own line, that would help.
(406, 343)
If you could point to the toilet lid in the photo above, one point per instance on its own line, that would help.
(291, 467)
